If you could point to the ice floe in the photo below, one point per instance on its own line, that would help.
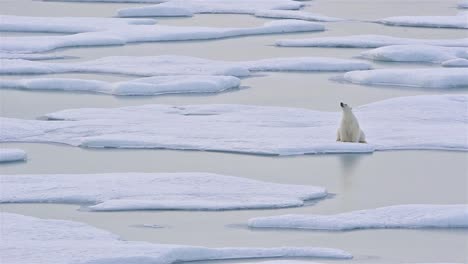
(26, 56)
(421, 78)
(458, 21)
(9, 155)
(163, 191)
(191, 7)
(124, 34)
(398, 216)
(145, 86)
(31, 240)
(292, 14)
(455, 63)
(368, 41)
(66, 24)
(108, 1)
(463, 4)
(416, 53)
(181, 65)
(437, 122)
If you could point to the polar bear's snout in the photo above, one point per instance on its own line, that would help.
(341, 104)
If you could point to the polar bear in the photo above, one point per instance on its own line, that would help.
(349, 130)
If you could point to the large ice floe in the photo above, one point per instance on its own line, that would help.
(9, 155)
(416, 53)
(32, 240)
(398, 216)
(181, 65)
(162, 191)
(145, 86)
(191, 7)
(436, 78)
(458, 21)
(368, 41)
(437, 122)
(116, 32)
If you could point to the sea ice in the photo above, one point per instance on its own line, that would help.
(145, 86)
(182, 65)
(121, 33)
(32, 240)
(163, 191)
(463, 4)
(437, 122)
(8, 155)
(299, 15)
(398, 216)
(368, 41)
(455, 63)
(190, 7)
(458, 21)
(421, 78)
(416, 53)
(26, 56)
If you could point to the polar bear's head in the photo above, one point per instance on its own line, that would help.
(345, 107)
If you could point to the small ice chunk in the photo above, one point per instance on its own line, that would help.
(368, 41)
(9, 155)
(398, 216)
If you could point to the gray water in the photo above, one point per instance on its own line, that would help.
(356, 181)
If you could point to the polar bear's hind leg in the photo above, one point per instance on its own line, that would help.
(362, 137)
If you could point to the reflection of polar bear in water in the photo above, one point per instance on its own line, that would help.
(349, 130)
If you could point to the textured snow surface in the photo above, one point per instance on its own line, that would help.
(300, 15)
(181, 65)
(121, 33)
(8, 155)
(458, 21)
(190, 7)
(437, 122)
(421, 78)
(398, 216)
(416, 53)
(144, 191)
(368, 41)
(31, 240)
(145, 86)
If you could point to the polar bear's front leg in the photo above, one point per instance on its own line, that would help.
(362, 137)
(338, 138)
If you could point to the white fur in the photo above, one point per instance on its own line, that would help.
(349, 130)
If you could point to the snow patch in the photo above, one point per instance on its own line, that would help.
(163, 191)
(31, 240)
(458, 21)
(398, 216)
(436, 78)
(368, 41)
(9, 155)
(437, 122)
(299, 15)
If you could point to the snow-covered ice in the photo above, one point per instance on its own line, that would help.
(368, 41)
(191, 7)
(292, 14)
(458, 21)
(145, 86)
(437, 122)
(26, 56)
(9, 155)
(121, 33)
(416, 53)
(398, 216)
(181, 65)
(437, 78)
(163, 191)
(463, 4)
(108, 1)
(32, 240)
